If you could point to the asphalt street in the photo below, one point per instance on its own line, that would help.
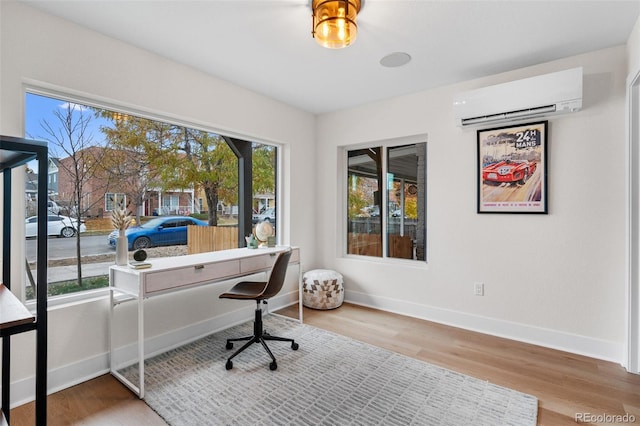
(63, 248)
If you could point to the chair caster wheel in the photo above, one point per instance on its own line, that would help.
(273, 366)
(229, 365)
(229, 345)
(294, 346)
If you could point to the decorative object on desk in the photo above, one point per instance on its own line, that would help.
(121, 219)
(334, 380)
(271, 241)
(122, 251)
(139, 265)
(251, 241)
(263, 231)
(140, 255)
(322, 289)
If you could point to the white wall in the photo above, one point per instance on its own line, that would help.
(42, 50)
(633, 319)
(633, 49)
(555, 279)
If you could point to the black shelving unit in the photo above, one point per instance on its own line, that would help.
(14, 317)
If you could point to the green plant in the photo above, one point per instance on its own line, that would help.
(71, 286)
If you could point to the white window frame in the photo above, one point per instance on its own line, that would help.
(69, 95)
(117, 196)
(342, 218)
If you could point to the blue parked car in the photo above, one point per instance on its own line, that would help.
(160, 231)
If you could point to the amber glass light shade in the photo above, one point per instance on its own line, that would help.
(334, 22)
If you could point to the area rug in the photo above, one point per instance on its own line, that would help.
(330, 380)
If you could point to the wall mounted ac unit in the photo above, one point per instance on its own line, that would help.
(541, 96)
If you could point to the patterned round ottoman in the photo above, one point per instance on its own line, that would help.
(322, 289)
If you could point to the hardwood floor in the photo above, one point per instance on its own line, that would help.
(103, 401)
(565, 384)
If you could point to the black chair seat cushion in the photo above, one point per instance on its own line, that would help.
(246, 290)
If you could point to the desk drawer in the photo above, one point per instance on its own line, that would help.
(189, 275)
(295, 256)
(257, 263)
(265, 261)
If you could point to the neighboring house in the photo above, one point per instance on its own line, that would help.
(160, 203)
(31, 185)
(262, 202)
(52, 181)
(95, 181)
(31, 189)
(30, 195)
(103, 188)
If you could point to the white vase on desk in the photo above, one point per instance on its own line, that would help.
(122, 250)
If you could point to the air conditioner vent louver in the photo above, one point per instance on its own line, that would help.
(540, 96)
(530, 112)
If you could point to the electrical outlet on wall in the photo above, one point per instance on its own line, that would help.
(478, 289)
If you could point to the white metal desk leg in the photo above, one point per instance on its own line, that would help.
(110, 321)
(300, 308)
(141, 344)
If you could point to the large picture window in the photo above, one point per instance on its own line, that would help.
(101, 159)
(386, 201)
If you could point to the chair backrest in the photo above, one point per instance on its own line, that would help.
(278, 272)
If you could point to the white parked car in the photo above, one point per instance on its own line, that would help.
(61, 226)
(269, 215)
(53, 207)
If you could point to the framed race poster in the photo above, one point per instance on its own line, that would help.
(512, 169)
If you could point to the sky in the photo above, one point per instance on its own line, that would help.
(40, 108)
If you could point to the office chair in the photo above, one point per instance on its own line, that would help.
(260, 291)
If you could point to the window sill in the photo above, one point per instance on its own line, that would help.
(72, 299)
(420, 264)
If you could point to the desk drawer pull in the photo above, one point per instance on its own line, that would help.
(199, 266)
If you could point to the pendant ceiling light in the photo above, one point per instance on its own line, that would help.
(334, 22)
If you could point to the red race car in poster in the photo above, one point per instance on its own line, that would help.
(509, 171)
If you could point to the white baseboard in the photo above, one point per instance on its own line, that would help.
(574, 343)
(23, 391)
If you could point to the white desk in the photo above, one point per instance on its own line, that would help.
(171, 274)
